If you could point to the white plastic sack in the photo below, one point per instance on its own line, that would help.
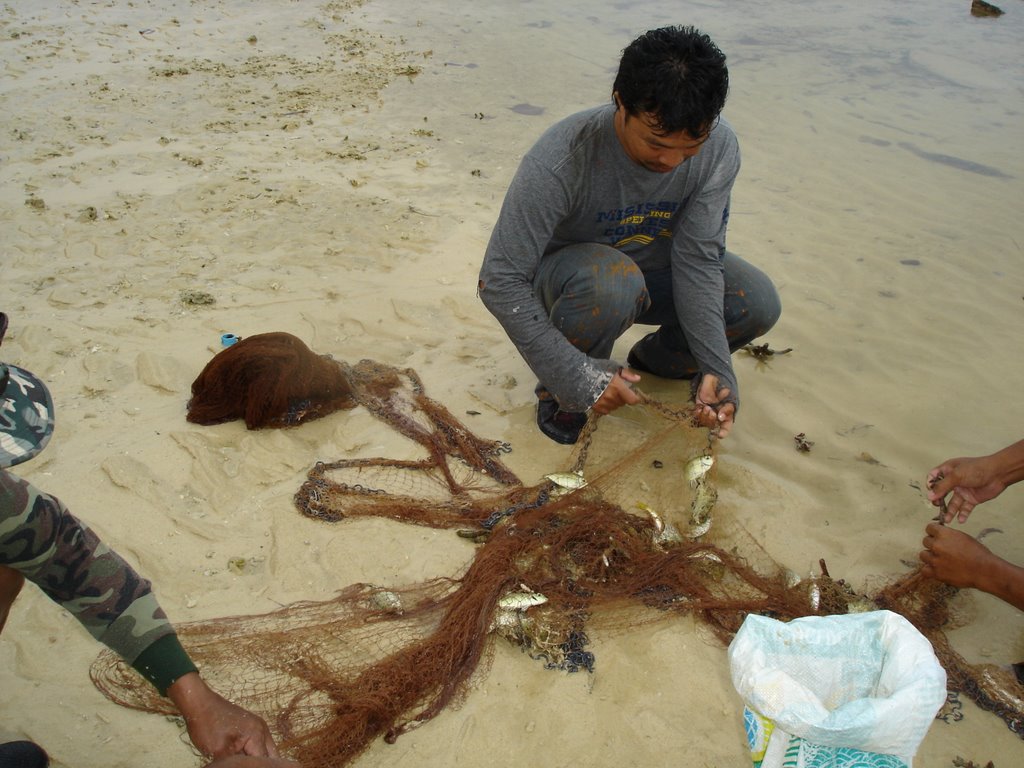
(864, 683)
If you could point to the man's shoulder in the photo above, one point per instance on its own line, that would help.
(593, 116)
(574, 131)
(720, 153)
(724, 136)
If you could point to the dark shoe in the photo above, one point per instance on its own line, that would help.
(633, 362)
(561, 426)
(23, 754)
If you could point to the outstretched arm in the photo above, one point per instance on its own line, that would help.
(216, 726)
(973, 480)
(42, 541)
(960, 560)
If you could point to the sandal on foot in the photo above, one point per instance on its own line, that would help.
(561, 426)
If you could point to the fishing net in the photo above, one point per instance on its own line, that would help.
(624, 535)
(925, 603)
(269, 380)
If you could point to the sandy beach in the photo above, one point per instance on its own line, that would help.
(173, 171)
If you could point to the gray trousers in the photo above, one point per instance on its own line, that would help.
(594, 292)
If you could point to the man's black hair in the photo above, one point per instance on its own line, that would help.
(678, 76)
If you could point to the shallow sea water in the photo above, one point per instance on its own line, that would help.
(915, 83)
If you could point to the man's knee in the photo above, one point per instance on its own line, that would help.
(599, 275)
(619, 288)
(751, 298)
(767, 308)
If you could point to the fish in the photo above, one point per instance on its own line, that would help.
(507, 624)
(659, 524)
(668, 535)
(814, 593)
(387, 601)
(664, 533)
(521, 600)
(697, 530)
(704, 554)
(700, 510)
(697, 468)
(571, 481)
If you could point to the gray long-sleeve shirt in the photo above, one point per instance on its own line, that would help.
(578, 185)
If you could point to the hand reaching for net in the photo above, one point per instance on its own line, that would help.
(618, 393)
(216, 726)
(953, 557)
(960, 560)
(714, 408)
(971, 481)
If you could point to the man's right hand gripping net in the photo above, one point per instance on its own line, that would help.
(625, 534)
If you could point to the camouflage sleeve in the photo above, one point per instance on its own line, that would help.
(42, 540)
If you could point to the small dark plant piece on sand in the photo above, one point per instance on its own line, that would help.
(981, 8)
(959, 762)
(762, 351)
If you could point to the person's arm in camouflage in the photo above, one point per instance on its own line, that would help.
(47, 545)
(40, 540)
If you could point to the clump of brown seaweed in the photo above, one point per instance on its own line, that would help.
(982, 9)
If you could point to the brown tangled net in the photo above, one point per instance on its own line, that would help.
(623, 536)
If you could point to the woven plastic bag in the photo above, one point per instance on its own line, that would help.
(837, 691)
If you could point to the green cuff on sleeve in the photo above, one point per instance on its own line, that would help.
(163, 662)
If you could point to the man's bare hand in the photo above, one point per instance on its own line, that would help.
(216, 726)
(712, 410)
(970, 481)
(618, 393)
